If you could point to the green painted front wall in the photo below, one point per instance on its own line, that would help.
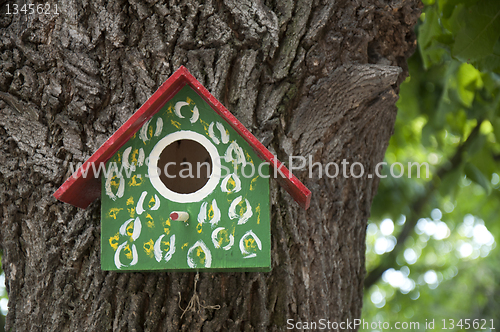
(120, 204)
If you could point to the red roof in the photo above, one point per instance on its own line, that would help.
(81, 190)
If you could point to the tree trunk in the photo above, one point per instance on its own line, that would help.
(309, 78)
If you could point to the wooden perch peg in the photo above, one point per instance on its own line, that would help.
(179, 215)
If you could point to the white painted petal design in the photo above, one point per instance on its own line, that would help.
(215, 220)
(235, 153)
(237, 181)
(109, 191)
(135, 256)
(140, 160)
(170, 251)
(224, 135)
(202, 216)
(125, 158)
(196, 115)
(208, 256)
(107, 187)
(137, 229)
(123, 228)
(159, 126)
(214, 237)
(140, 204)
(212, 134)
(143, 133)
(121, 188)
(245, 253)
(157, 203)
(216, 243)
(157, 248)
(119, 264)
(232, 208)
(177, 108)
(232, 211)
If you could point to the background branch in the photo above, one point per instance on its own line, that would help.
(388, 260)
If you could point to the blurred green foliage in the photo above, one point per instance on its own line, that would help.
(432, 248)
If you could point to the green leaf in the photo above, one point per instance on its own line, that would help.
(428, 33)
(474, 174)
(490, 62)
(448, 6)
(445, 39)
(479, 30)
(429, 29)
(448, 10)
(468, 78)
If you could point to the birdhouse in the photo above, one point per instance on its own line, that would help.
(183, 185)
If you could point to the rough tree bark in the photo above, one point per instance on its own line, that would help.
(316, 78)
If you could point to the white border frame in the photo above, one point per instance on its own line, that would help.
(201, 193)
